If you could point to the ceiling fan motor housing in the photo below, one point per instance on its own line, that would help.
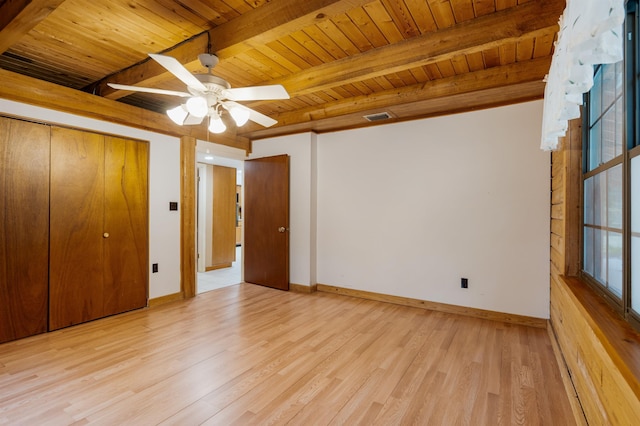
(209, 94)
(208, 60)
(215, 87)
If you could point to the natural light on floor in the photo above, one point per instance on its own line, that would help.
(220, 278)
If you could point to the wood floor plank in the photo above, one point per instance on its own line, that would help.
(252, 355)
(301, 385)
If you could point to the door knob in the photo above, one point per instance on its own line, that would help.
(282, 229)
(105, 235)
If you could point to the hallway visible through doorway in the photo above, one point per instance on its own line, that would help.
(220, 278)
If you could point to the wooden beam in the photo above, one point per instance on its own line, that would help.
(257, 27)
(18, 17)
(274, 20)
(506, 78)
(188, 216)
(482, 99)
(511, 25)
(32, 91)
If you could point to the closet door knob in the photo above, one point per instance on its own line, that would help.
(106, 235)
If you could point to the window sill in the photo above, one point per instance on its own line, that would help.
(618, 338)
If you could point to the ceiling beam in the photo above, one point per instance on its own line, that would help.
(18, 17)
(256, 27)
(507, 26)
(407, 102)
(464, 102)
(41, 93)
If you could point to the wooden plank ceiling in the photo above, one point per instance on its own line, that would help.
(339, 60)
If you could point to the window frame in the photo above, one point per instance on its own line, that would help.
(630, 149)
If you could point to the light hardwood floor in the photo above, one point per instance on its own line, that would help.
(250, 355)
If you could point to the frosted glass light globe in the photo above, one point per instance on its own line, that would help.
(240, 115)
(197, 106)
(216, 125)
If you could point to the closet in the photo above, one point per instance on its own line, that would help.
(74, 233)
(99, 234)
(24, 228)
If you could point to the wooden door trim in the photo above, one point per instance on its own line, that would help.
(188, 216)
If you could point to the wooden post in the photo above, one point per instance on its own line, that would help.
(573, 197)
(188, 216)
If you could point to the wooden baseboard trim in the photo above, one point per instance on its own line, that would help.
(434, 306)
(166, 299)
(574, 401)
(219, 266)
(300, 288)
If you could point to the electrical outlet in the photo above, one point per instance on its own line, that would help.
(464, 283)
(154, 267)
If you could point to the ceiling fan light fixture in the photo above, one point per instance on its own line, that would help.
(178, 114)
(208, 94)
(216, 125)
(197, 106)
(240, 115)
(192, 120)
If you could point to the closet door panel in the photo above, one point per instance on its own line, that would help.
(223, 250)
(126, 222)
(24, 228)
(76, 221)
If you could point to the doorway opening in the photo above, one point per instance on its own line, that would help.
(219, 278)
(219, 222)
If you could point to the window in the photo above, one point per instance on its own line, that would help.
(611, 178)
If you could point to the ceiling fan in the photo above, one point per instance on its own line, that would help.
(209, 95)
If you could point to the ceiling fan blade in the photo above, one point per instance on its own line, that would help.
(257, 93)
(192, 120)
(148, 90)
(254, 115)
(176, 68)
(261, 119)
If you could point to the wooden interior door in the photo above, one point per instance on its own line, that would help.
(223, 247)
(266, 221)
(126, 250)
(76, 227)
(24, 228)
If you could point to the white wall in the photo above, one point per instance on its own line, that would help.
(408, 209)
(164, 186)
(404, 209)
(164, 225)
(301, 245)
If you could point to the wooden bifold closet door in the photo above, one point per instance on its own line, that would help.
(98, 226)
(24, 228)
(126, 251)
